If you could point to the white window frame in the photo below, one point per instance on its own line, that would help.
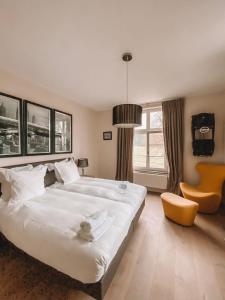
(148, 131)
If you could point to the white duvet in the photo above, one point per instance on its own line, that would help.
(46, 228)
(109, 189)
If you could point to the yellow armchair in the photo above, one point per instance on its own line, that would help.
(208, 193)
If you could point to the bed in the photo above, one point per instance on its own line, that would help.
(133, 195)
(53, 219)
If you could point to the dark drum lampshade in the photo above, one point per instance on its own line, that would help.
(127, 115)
(82, 163)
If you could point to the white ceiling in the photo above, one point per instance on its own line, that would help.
(74, 47)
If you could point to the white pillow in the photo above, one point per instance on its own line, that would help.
(68, 171)
(4, 180)
(27, 184)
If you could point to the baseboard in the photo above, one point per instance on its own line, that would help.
(155, 190)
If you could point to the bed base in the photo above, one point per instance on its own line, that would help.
(96, 290)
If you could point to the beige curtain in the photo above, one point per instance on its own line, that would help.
(173, 127)
(124, 169)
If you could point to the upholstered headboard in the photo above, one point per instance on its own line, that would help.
(49, 177)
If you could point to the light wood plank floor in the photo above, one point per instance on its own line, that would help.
(165, 261)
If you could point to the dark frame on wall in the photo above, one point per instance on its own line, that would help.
(29, 128)
(107, 135)
(64, 126)
(11, 134)
(38, 132)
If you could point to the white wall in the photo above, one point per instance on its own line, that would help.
(212, 104)
(84, 121)
(107, 151)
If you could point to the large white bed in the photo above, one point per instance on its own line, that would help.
(46, 227)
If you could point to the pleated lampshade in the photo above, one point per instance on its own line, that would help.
(82, 163)
(127, 115)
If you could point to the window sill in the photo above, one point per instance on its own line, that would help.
(152, 172)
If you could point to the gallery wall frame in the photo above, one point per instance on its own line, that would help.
(11, 115)
(62, 138)
(29, 128)
(37, 128)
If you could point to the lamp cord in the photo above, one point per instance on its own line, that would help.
(127, 78)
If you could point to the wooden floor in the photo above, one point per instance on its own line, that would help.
(163, 261)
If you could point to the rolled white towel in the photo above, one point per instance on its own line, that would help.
(94, 235)
(94, 221)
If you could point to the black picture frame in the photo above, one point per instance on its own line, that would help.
(9, 140)
(37, 131)
(107, 135)
(56, 140)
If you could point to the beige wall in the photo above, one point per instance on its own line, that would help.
(84, 120)
(213, 104)
(107, 149)
(88, 127)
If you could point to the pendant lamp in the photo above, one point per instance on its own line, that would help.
(127, 115)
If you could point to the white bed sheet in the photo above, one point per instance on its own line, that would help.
(45, 227)
(109, 189)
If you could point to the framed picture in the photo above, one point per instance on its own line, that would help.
(107, 135)
(62, 132)
(10, 125)
(37, 128)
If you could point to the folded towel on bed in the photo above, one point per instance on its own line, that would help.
(123, 186)
(94, 221)
(94, 235)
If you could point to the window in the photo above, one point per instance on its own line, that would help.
(149, 153)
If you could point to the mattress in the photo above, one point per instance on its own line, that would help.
(46, 228)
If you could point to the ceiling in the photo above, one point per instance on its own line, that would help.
(74, 47)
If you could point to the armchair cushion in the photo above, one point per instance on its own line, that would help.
(209, 202)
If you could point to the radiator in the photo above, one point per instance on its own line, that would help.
(153, 181)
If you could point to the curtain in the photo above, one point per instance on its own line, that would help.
(173, 129)
(124, 169)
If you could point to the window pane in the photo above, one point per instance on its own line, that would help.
(143, 122)
(140, 151)
(156, 151)
(156, 119)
